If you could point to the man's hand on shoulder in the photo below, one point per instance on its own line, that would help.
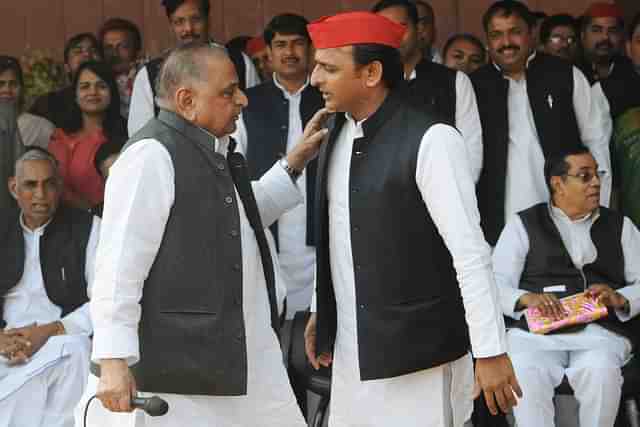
(316, 361)
(312, 137)
(496, 379)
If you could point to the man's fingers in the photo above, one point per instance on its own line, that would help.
(476, 389)
(503, 401)
(310, 350)
(491, 403)
(325, 359)
(316, 123)
(515, 386)
(317, 137)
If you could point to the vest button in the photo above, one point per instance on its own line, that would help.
(362, 306)
(238, 300)
(237, 267)
(355, 190)
(234, 233)
(240, 337)
(359, 153)
(356, 228)
(358, 267)
(221, 166)
(228, 200)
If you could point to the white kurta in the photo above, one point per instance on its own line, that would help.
(525, 183)
(542, 361)
(141, 107)
(440, 396)
(139, 197)
(297, 260)
(468, 121)
(46, 389)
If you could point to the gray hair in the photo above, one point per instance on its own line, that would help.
(185, 65)
(36, 153)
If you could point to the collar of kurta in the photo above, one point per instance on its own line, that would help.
(374, 122)
(188, 129)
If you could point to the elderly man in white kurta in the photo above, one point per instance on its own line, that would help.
(404, 281)
(565, 247)
(47, 254)
(204, 340)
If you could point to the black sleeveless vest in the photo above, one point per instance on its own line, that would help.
(434, 90)
(63, 248)
(622, 88)
(266, 119)
(550, 92)
(406, 287)
(192, 333)
(548, 261)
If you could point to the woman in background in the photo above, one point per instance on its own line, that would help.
(94, 119)
(34, 130)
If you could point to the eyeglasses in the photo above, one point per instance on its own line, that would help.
(557, 39)
(587, 177)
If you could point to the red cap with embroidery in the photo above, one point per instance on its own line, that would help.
(255, 45)
(345, 29)
(604, 10)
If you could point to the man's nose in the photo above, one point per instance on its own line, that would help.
(315, 78)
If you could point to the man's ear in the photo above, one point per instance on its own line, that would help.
(185, 103)
(556, 184)
(627, 47)
(372, 74)
(13, 187)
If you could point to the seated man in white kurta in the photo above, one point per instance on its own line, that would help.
(550, 251)
(47, 262)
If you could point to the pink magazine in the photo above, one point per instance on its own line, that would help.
(582, 308)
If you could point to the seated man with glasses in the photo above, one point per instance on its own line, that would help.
(559, 36)
(569, 246)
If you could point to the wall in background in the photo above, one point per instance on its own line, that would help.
(46, 24)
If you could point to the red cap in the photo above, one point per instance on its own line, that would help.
(345, 29)
(255, 45)
(604, 10)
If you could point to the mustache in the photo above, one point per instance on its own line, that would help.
(189, 36)
(514, 47)
(603, 44)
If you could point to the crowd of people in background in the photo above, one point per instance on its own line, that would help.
(535, 87)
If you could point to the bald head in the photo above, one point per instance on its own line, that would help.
(184, 67)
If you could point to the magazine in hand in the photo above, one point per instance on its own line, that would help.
(582, 308)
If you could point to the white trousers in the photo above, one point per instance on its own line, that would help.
(594, 375)
(48, 399)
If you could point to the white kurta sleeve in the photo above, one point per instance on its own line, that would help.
(139, 195)
(79, 320)
(275, 194)
(631, 251)
(509, 257)
(468, 122)
(141, 108)
(595, 127)
(445, 182)
(251, 74)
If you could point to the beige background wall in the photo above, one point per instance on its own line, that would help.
(46, 24)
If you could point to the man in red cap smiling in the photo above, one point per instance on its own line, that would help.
(404, 282)
(602, 35)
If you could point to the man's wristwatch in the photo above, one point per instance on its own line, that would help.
(293, 173)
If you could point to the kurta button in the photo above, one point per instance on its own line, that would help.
(359, 153)
(221, 166)
(358, 267)
(238, 300)
(228, 200)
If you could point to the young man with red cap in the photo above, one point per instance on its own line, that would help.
(404, 282)
(602, 36)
